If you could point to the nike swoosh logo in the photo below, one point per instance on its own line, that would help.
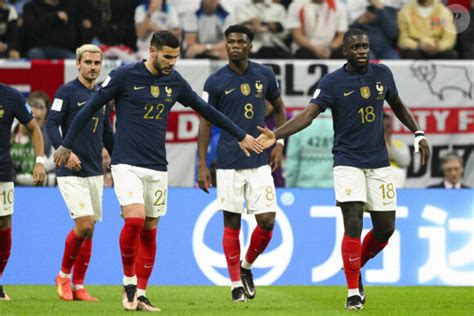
(387, 203)
(138, 88)
(348, 93)
(148, 266)
(233, 257)
(229, 91)
(354, 259)
(81, 103)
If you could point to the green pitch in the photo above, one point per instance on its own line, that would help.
(271, 300)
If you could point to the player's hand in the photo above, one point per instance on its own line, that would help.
(425, 151)
(204, 179)
(61, 156)
(73, 163)
(250, 143)
(276, 157)
(39, 174)
(267, 138)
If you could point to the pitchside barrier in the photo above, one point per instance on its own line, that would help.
(439, 93)
(433, 243)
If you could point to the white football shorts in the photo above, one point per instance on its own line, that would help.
(253, 186)
(7, 198)
(375, 187)
(83, 195)
(137, 185)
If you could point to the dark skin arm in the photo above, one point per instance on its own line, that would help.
(39, 174)
(204, 135)
(406, 117)
(296, 124)
(280, 119)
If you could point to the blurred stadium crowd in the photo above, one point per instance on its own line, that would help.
(46, 29)
(301, 29)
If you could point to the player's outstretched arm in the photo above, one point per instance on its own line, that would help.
(279, 110)
(405, 116)
(39, 173)
(204, 135)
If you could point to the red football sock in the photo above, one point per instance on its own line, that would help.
(371, 247)
(351, 254)
(231, 245)
(128, 243)
(146, 257)
(258, 242)
(71, 250)
(82, 262)
(5, 247)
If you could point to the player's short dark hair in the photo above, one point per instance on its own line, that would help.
(164, 38)
(353, 32)
(239, 28)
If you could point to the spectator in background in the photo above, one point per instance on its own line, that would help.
(380, 23)
(465, 39)
(8, 31)
(426, 31)
(452, 167)
(398, 153)
(204, 31)
(265, 20)
(153, 17)
(309, 155)
(108, 23)
(49, 30)
(22, 149)
(317, 27)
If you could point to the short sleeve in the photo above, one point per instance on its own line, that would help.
(324, 94)
(140, 14)
(190, 23)
(22, 110)
(173, 19)
(293, 18)
(392, 91)
(209, 91)
(273, 91)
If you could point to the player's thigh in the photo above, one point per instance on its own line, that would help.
(381, 192)
(7, 198)
(156, 192)
(96, 187)
(128, 184)
(77, 196)
(230, 190)
(260, 191)
(349, 184)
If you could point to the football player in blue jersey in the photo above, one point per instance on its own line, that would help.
(362, 178)
(81, 181)
(13, 105)
(240, 90)
(144, 94)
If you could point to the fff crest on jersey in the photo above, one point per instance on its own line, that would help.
(155, 91)
(365, 92)
(2, 112)
(169, 92)
(245, 89)
(259, 87)
(379, 87)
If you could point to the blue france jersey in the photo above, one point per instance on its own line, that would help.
(356, 101)
(12, 105)
(68, 101)
(241, 97)
(142, 104)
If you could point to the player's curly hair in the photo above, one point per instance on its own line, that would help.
(353, 32)
(164, 38)
(238, 28)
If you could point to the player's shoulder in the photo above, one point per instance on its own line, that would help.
(379, 67)
(10, 92)
(217, 77)
(261, 68)
(126, 69)
(333, 77)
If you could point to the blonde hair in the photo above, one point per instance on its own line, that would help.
(88, 48)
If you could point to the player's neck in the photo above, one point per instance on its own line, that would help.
(239, 66)
(149, 66)
(359, 70)
(88, 84)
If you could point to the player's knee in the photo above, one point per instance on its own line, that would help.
(267, 225)
(383, 234)
(353, 226)
(85, 228)
(5, 222)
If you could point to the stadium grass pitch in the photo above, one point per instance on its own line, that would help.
(270, 300)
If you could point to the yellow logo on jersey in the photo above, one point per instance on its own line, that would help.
(365, 92)
(155, 91)
(2, 111)
(245, 89)
(259, 87)
(379, 88)
(169, 92)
